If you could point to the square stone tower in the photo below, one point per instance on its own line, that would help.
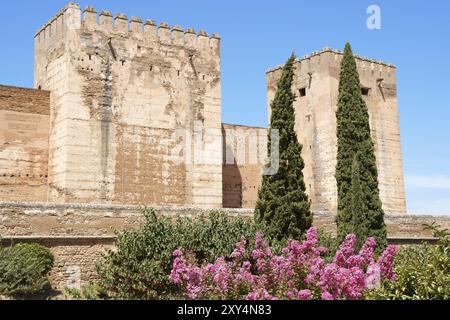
(316, 85)
(135, 110)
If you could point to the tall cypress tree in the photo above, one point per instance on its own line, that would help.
(356, 153)
(283, 204)
(357, 205)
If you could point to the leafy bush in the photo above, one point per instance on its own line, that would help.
(423, 272)
(92, 291)
(140, 266)
(299, 272)
(328, 241)
(24, 269)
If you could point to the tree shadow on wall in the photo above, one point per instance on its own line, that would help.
(231, 178)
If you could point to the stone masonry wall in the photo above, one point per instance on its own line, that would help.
(24, 134)
(316, 86)
(135, 110)
(245, 151)
(78, 234)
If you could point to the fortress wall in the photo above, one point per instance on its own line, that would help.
(78, 234)
(136, 110)
(318, 75)
(245, 150)
(24, 115)
(144, 171)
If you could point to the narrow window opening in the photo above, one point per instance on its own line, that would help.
(302, 92)
(39, 88)
(123, 62)
(90, 56)
(178, 72)
(151, 68)
(204, 77)
(365, 91)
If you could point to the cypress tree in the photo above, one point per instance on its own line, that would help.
(356, 163)
(357, 205)
(283, 205)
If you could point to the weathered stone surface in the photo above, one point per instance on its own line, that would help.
(23, 100)
(130, 115)
(120, 98)
(27, 219)
(135, 118)
(78, 234)
(245, 150)
(317, 76)
(24, 132)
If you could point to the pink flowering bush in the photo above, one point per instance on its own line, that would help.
(300, 272)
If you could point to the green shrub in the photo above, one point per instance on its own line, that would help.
(423, 272)
(139, 267)
(328, 241)
(24, 269)
(92, 291)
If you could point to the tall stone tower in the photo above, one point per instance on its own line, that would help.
(316, 86)
(125, 95)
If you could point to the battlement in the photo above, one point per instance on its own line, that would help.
(72, 17)
(338, 52)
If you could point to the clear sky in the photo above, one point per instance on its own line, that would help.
(257, 35)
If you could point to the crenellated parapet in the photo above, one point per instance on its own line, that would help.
(366, 61)
(316, 87)
(68, 17)
(121, 89)
(72, 17)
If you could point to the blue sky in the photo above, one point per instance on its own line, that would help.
(257, 35)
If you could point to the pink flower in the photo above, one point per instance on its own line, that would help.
(327, 296)
(373, 279)
(178, 253)
(304, 295)
(367, 250)
(240, 249)
(294, 274)
(260, 294)
(386, 262)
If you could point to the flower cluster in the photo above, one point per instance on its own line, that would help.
(299, 272)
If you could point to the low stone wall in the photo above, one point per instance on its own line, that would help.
(75, 257)
(79, 234)
(409, 228)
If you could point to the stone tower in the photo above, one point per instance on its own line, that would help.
(316, 85)
(121, 93)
